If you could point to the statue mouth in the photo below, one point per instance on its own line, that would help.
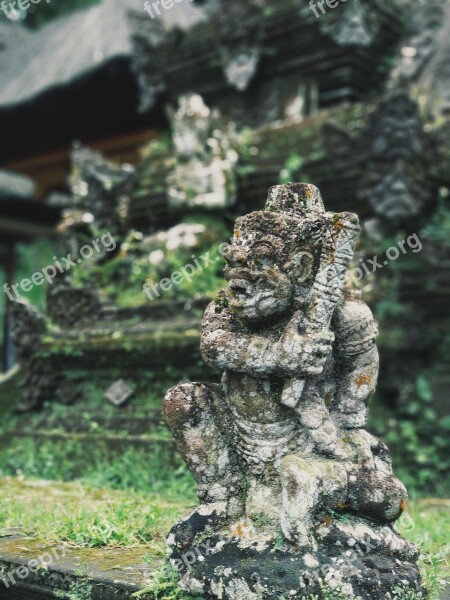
(241, 287)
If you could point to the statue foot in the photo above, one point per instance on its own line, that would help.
(206, 518)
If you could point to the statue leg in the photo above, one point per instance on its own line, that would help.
(306, 485)
(192, 412)
(376, 495)
(315, 417)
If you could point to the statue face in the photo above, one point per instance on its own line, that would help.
(260, 276)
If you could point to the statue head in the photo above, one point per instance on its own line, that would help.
(275, 253)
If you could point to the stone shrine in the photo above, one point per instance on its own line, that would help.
(296, 496)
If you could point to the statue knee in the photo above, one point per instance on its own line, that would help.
(297, 477)
(377, 495)
(185, 403)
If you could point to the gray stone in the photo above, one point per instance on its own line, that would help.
(294, 490)
(204, 174)
(119, 393)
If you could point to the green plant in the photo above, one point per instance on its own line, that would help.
(165, 586)
(280, 540)
(405, 592)
(85, 517)
(432, 573)
(438, 228)
(30, 259)
(122, 278)
(260, 519)
(335, 593)
(78, 590)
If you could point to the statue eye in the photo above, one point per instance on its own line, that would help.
(262, 253)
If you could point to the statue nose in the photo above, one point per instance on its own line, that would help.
(235, 255)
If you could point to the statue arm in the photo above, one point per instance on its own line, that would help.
(224, 347)
(358, 362)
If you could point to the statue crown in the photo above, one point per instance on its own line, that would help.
(295, 199)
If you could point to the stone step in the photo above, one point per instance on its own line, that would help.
(77, 422)
(112, 441)
(95, 573)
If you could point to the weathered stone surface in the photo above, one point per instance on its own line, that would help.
(100, 191)
(397, 185)
(251, 59)
(204, 173)
(56, 362)
(293, 489)
(422, 65)
(70, 572)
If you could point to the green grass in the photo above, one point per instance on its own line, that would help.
(157, 468)
(427, 524)
(83, 516)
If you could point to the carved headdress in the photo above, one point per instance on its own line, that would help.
(295, 214)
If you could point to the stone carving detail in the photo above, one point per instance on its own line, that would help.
(355, 25)
(100, 193)
(396, 183)
(204, 174)
(291, 483)
(241, 29)
(28, 326)
(392, 158)
(359, 23)
(425, 27)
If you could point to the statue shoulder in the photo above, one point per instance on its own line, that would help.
(354, 326)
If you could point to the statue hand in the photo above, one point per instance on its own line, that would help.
(304, 354)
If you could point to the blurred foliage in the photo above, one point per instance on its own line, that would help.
(122, 278)
(125, 467)
(29, 259)
(419, 439)
(438, 228)
(32, 258)
(153, 466)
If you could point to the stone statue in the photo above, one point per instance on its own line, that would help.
(422, 67)
(399, 156)
(295, 493)
(100, 194)
(204, 174)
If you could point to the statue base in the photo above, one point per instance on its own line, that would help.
(353, 558)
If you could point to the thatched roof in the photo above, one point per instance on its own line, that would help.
(71, 46)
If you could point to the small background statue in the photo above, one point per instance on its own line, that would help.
(204, 175)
